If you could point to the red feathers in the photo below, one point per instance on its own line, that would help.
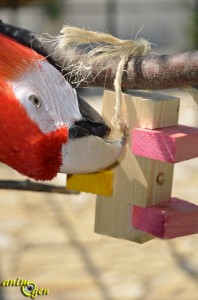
(15, 58)
(23, 146)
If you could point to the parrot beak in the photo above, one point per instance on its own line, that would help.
(90, 154)
(88, 150)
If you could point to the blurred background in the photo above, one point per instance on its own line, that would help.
(49, 238)
(169, 24)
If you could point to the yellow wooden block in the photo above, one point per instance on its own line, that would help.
(99, 183)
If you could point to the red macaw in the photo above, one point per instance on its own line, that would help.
(44, 125)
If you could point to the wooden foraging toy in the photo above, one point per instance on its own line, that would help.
(138, 205)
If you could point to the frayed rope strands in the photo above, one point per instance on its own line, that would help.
(107, 48)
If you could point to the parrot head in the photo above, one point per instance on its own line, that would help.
(45, 127)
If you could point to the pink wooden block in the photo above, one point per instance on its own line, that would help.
(168, 219)
(171, 144)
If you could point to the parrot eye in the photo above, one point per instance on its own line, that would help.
(35, 100)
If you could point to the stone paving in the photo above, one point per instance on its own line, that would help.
(49, 239)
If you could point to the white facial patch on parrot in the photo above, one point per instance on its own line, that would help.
(51, 102)
(99, 154)
(47, 97)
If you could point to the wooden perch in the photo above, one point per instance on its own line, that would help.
(151, 72)
(144, 72)
(28, 185)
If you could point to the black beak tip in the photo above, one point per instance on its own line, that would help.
(100, 129)
(87, 127)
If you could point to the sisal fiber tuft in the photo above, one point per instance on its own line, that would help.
(100, 48)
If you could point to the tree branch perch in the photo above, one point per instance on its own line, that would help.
(28, 185)
(148, 72)
(151, 72)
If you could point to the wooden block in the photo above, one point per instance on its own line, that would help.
(155, 111)
(99, 183)
(167, 220)
(171, 144)
(137, 180)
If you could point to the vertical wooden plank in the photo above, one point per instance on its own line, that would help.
(135, 178)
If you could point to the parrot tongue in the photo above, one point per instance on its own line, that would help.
(90, 154)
